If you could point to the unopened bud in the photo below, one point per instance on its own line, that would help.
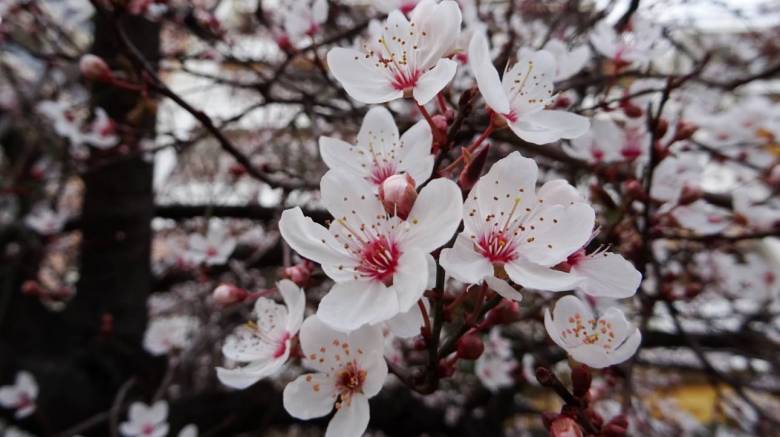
(565, 427)
(506, 312)
(398, 194)
(631, 110)
(440, 121)
(226, 294)
(580, 380)
(283, 41)
(684, 131)
(634, 189)
(94, 68)
(661, 128)
(237, 170)
(470, 174)
(31, 288)
(562, 102)
(470, 347)
(544, 376)
(299, 273)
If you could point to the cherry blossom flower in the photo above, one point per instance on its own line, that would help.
(408, 58)
(567, 62)
(605, 142)
(387, 6)
(145, 420)
(21, 395)
(637, 46)
(379, 152)
(101, 132)
(512, 228)
(702, 217)
(350, 369)
(45, 221)
(378, 261)
(264, 346)
(213, 249)
(597, 342)
(675, 174)
(166, 334)
(495, 366)
(757, 215)
(303, 19)
(521, 97)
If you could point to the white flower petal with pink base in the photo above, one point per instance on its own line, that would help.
(435, 216)
(607, 275)
(350, 305)
(463, 263)
(359, 77)
(351, 420)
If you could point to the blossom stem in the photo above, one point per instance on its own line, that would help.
(439, 137)
(468, 150)
(426, 318)
(442, 103)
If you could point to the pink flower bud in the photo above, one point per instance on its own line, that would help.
(94, 68)
(440, 121)
(565, 427)
(398, 195)
(470, 347)
(299, 273)
(226, 294)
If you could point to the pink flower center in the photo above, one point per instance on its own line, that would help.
(597, 154)
(497, 248)
(404, 80)
(349, 380)
(407, 7)
(379, 260)
(23, 401)
(511, 117)
(381, 172)
(147, 429)
(282, 347)
(211, 252)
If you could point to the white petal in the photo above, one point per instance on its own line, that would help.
(503, 288)
(410, 279)
(376, 373)
(310, 239)
(350, 200)
(351, 420)
(342, 156)
(510, 180)
(435, 216)
(547, 126)
(362, 80)
(530, 81)
(295, 301)
(243, 377)
(407, 324)
(309, 396)
(378, 131)
(366, 341)
(538, 277)
(319, 11)
(434, 80)
(440, 25)
(608, 275)
(464, 263)
(349, 305)
(559, 192)
(628, 348)
(159, 412)
(487, 77)
(557, 232)
(26, 383)
(314, 336)
(415, 156)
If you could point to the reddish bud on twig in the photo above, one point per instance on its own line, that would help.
(661, 128)
(95, 68)
(31, 288)
(299, 273)
(398, 195)
(684, 131)
(440, 121)
(470, 347)
(690, 195)
(581, 379)
(226, 294)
